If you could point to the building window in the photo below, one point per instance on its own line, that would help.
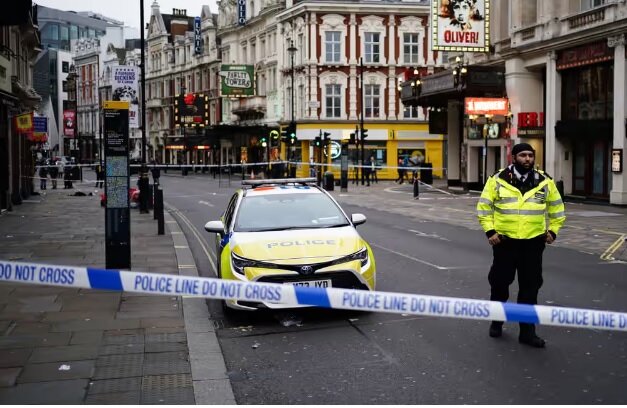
(332, 44)
(590, 4)
(588, 93)
(529, 12)
(53, 32)
(73, 32)
(65, 33)
(410, 112)
(372, 47)
(65, 66)
(410, 48)
(333, 96)
(372, 96)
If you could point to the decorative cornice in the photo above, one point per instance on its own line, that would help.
(616, 41)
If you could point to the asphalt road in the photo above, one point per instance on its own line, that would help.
(313, 356)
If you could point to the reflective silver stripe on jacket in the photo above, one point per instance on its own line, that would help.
(556, 202)
(485, 212)
(557, 214)
(535, 200)
(507, 200)
(520, 212)
(485, 201)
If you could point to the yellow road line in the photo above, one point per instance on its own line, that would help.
(607, 255)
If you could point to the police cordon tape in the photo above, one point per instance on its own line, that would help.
(335, 298)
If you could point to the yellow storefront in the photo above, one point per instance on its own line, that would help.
(386, 144)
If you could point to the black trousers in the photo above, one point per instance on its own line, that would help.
(517, 255)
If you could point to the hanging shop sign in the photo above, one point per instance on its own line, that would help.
(69, 123)
(197, 36)
(486, 106)
(24, 122)
(191, 110)
(40, 129)
(461, 25)
(241, 12)
(237, 80)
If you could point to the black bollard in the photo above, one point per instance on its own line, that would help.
(154, 201)
(160, 220)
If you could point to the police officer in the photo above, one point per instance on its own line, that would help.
(512, 211)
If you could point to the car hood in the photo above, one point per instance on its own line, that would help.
(297, 246)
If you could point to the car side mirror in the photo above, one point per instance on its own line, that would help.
(215, 226)
(358, 219)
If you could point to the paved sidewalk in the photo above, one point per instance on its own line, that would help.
(593, 228)
(76, 346)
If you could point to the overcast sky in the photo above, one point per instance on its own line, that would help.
(128, 10)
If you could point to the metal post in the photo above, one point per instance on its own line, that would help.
(361, 123)
(160, 219)
(485, 159)
(143, 80)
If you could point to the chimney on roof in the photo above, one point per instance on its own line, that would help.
(155, 7)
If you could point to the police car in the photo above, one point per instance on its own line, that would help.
(290, 231)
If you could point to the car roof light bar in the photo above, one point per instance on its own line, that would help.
(265, 182)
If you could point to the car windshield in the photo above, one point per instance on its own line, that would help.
(276, 212)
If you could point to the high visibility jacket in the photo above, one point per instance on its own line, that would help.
(504, 209)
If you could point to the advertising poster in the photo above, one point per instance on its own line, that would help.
(69, 123)
(124, 86)
(237, 80)
(461, 25)
(191, 110)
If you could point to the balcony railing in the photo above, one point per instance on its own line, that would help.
(591, 17)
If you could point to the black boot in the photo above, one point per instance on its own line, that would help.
(496, 329)
(528, 336)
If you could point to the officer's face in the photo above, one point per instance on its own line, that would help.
(525, 159)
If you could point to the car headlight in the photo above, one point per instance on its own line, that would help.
(361, 255)
(238, 263)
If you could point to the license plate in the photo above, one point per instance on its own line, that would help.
(322, 283)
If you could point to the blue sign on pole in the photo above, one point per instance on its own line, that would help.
(241, 12)
(40, 124)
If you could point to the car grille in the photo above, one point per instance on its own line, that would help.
(339, 279)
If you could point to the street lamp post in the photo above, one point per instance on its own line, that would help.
(292, 50)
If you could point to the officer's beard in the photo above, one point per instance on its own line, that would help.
(522, 169)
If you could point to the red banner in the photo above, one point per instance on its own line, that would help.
(69, 123)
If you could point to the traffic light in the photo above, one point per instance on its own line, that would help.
(291, 132)
(327, 138)
(317, 141)
(263, 142)
(274, 137)
(351, 138)
(364, 134)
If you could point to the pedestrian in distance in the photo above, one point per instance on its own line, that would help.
(54, 173)
(43, 175)
(399, 170)
(373, 169)
(512, 211)
(67, 176)
(366, 169)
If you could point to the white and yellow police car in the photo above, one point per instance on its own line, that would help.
(290, 231)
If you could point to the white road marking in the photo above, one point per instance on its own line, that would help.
(442, 268)
(425, 235)
(193, 230)
(205, 203)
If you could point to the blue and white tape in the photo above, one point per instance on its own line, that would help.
(401, 303)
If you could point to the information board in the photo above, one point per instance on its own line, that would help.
(117, 184)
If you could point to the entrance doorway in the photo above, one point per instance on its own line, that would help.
(591, 168)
